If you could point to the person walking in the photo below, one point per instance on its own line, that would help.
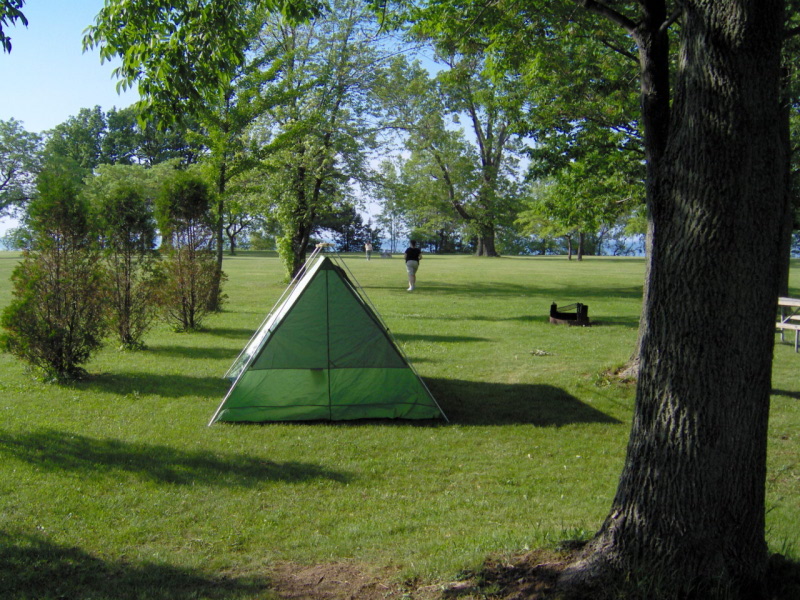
(368, 249)
(412, 255)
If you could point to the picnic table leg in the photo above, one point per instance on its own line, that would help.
(783, 320)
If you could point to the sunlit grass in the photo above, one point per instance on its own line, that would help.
(119, 475)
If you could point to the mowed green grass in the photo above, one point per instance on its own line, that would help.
(115, 487)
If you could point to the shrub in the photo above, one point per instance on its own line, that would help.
(55, 320)
(189, 272)
(187, 277)
(56, 317)
(127, 229)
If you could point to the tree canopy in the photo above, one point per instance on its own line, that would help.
(10, 14)
(180, 52)
(20, 162)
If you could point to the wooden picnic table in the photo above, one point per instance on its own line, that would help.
(790, 318)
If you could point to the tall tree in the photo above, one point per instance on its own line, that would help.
(585, 196)
(388, 191)
(158, 142)
(436, 183)
(690, 503)
(242, 206)
(226, 120)
(20, 161)
(80, 138)
(493, 107)
(689, 510)
(421, 108)
(329, 70)
(349, 230)
(122, 137)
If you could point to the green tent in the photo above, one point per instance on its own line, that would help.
(323, 353)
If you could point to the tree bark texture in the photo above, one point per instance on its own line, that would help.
(689, 510)
(485, 245)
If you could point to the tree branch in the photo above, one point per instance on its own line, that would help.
(620, 51)
(609, 13)
(672, 18)
(7, 180)
(459, 208)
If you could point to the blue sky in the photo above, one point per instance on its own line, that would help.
(47, 77)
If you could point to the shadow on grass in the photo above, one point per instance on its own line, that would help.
(34, 567)
(603, 320)
(455, 339)
(251, 254)
(783, 578)
(537, 294)
(59, 451)
(480, 403)
(165, 385)
(235, 333)
(200, 352)
(543, 317)
(786, 394)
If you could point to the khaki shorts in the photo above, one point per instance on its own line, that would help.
(412, 266)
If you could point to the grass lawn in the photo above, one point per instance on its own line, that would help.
(114, 487)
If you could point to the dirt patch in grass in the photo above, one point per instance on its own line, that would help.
(335, 581)
(531, 576)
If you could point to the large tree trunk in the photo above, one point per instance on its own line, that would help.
(688, 515)
(653, 43)
(486, 245)
(300, 241)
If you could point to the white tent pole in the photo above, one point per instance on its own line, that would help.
(288, 289)
(225, 399)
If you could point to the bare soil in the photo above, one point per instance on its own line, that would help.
(531, 576)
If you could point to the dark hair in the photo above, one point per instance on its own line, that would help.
(413, 243)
